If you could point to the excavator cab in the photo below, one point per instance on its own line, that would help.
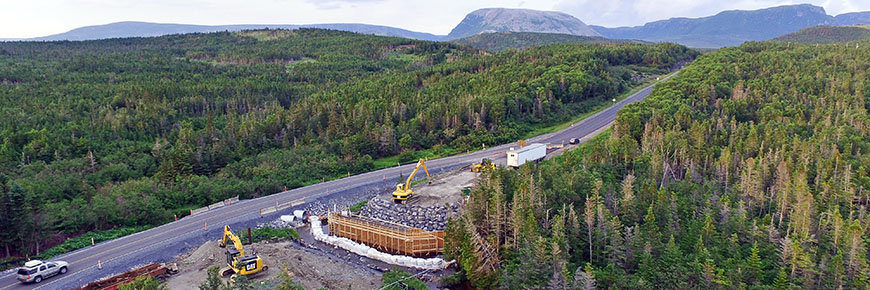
(403, 190)
(485, 164)
(238, 263)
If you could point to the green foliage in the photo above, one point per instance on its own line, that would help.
(358, 206)
(213, 280)
(498, 41)
(734, 174)
(242, 283)
(287, 282)
(144, 283)
(268, 233)
(85, 240)
(395, 275)
(827, 34)
(130, 132)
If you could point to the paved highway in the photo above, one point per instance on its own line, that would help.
(121, 254)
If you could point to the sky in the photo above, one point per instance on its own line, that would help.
(32, 18)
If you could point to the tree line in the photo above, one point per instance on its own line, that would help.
(747, 171)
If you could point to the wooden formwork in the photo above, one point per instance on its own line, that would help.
(386, 236)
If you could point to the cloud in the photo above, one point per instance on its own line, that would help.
(337, 4)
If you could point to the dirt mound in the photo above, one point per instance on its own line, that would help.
(310, 269)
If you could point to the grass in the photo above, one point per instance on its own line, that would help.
(81, 242)
(268, 233)
(396, 275)
(358, 206)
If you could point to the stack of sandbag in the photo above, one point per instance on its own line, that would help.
(371, 253)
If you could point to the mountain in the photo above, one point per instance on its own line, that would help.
(827, 34)
(498, 41)
(853, 18)
(727, 28)
(147, 29)
(519, 20)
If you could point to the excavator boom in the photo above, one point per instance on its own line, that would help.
(414, 173)
(403, 190)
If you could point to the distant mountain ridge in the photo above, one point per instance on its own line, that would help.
(827, 34)
(853, 18)
(726, 28)
(489, 20)
(149, 29)
(734, 27)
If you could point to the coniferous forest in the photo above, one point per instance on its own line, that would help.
(125, 133)
(749, 170)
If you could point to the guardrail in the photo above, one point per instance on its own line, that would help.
(277, 207)
(219, 204)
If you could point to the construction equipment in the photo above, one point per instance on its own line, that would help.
(238, 262)
(485, 164)
(403, 190)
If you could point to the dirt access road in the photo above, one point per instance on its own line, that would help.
(162, 243)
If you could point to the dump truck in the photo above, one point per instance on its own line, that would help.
(531, 152)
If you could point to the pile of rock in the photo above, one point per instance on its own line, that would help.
(428, 218)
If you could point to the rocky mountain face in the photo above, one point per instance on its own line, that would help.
(728, 27)
(519, 20)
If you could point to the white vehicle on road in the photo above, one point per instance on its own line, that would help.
(35, 271)
(532, 152)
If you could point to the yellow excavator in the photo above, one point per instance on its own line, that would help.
(403, 190)
(238, 262)
(485, 164)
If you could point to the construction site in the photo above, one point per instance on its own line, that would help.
(346, 241)
(336, 248)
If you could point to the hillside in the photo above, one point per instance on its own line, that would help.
(827, 34)
(746, 171)
(854, 18)
(519, 20)
(127, 132)
(727, 28)
(499, 41)
(147, 29)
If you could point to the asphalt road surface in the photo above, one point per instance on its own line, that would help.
(161, 243)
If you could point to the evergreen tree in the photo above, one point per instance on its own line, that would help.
(781, 282)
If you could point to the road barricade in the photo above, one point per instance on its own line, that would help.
(281, 206)
(219, 204)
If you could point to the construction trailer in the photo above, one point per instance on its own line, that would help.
(386, 236)
(531, 152)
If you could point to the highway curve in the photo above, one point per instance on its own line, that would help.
(162, 243)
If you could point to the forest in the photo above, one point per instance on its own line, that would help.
(126, 133)
(749, 170)
(498, 41)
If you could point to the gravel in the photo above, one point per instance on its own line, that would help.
(428, 218)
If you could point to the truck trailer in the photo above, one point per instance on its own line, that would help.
(531, 152)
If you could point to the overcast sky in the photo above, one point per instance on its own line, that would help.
(30, 18)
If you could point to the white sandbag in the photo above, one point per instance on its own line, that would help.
(372, 253)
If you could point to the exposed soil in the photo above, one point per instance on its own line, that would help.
(443, 189)
(309, 268)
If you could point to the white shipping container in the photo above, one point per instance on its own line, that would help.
(532, 152)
